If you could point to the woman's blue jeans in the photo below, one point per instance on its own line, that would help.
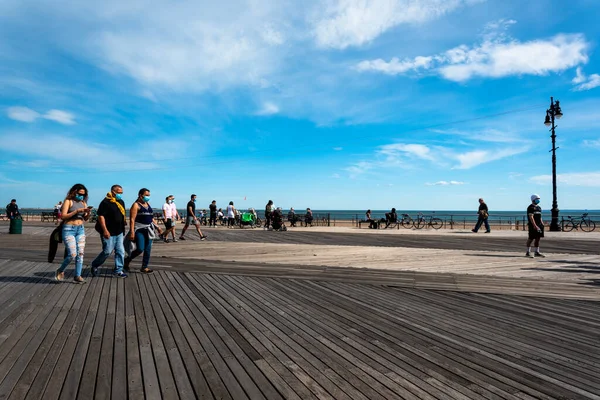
(143, 245)
(74, 239)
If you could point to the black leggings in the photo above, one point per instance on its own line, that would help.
(267, 220)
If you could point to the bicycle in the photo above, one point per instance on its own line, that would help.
(422, 221)
(406, 221)
(585, 223)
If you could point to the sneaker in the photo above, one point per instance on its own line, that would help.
(181, 238)
(59, 276)
(488, 231)
(94, 271)
(120, 275)
(166, 240)
(175, 240)
(473, 230)
(528, 254)
(538, 254)
(78, 279)
(203, 237)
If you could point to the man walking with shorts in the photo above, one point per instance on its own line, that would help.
(536, 226)
(191, 219)
(171, 216)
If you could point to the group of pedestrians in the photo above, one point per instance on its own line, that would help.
(112, 226)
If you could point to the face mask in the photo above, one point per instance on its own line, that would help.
(146, 198)
(536, 201)
(194, 201)
(170, 201)
(118, 196)
(79, 197)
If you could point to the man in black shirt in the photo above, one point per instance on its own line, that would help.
(536, 226)
(191, 219)
(212, 221)
(111, 226)
(12, 209)
(483, 214)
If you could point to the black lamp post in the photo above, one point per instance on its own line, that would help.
(553, 112)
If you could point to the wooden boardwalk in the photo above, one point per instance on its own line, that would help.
(188, 335)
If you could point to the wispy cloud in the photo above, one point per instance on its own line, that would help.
(472, 159)
(268, 108)
(356, 22)
(588, 179)
(338, 148)
(496, 56)
(483, 135)
(62, 117)
(445, 183)
(592, 143)
(25, 114)
(22, 114)
(583, 82)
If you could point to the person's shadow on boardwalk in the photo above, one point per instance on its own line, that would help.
(44, 278)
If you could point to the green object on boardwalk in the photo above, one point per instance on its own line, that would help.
(247, 217)
(16, 226)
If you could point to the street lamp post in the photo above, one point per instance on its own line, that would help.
(553, 112)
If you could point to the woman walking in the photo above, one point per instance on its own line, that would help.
(230, 215)
(74, 212)
(141, 230)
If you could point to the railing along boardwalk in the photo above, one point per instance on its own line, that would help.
(187, 335)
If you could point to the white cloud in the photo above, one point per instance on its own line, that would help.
(395, 66)
(25, 114)
(592, 143)
(356, 22)
(268, 108)
(496, 56)
(335, 176)
(360, 168)
(583, 82)
(62, 117)
(483, 135)
(22, 114)
(588, 179)
(338, 148)
(412, 150)
(445, 183)
(474, 158)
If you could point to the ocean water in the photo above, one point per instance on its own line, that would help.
(340, 215)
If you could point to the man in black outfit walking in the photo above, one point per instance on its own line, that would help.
(191, 219)
(483, 214)
(536, 226)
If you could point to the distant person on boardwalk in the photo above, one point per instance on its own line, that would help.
(483, 214)
(111, 227)
(292, 217)
(220, 216)
(230, 215)
(370, 220)
(536, 227)
(308, 217)
(12, 209)
(391, 217)
(268, 214)
(191, 219)
(212, 219)
(171, 216)
(142, 229)
(57, 213)
(75, 212)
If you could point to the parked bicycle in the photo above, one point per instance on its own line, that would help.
(423, 221)
(407, 221)
(584, 223)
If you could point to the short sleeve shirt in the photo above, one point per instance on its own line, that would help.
(170, 210)
(191, 205)
(536, 211)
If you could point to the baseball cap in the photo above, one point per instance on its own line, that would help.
(534, 196)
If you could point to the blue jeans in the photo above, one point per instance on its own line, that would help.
(73, 237)
(108, 245)
(479, 222)
(143, 245)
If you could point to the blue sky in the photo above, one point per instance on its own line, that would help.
(335, 104)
